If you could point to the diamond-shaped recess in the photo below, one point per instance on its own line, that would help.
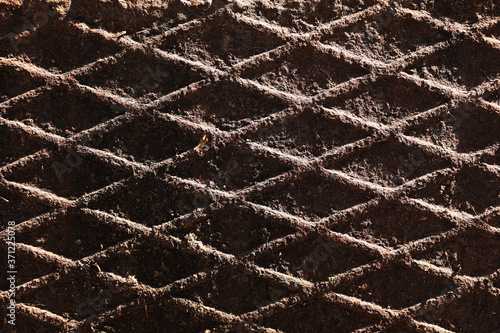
(15, 206)
(388, 163)
(149, 139)
(322, 134)
(62, 111)
(481, 315)
(220, 38)
(15, 144)
(393, 224)
(48, 47)
(464, 129)
(152, 264)
(235, 292)
(73, 235)
(133, 18)
(67, 173)
(471, 189)
(147, 77)
(310, 195)
(465, 64)
(75, 297)
(26, 323)
(235, 230)
(16, 81)
(386, 100)
(231, 167)
(311, 12)
(159, 317)
(314, 259)
(333, 318)
(150, 201)
(37, 268)
(473, 253)
(461, 10)
(306, 71)
(377, 38)
(227, 105)
(396, 287)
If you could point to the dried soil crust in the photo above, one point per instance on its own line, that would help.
(237, 166)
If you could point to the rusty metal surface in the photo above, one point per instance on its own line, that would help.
(288, 166)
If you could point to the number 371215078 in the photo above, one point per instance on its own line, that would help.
(11, 241)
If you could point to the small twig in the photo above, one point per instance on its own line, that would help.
(201, 144)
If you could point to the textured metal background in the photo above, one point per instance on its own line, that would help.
(348, 179)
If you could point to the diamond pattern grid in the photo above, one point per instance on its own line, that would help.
(348, 173)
